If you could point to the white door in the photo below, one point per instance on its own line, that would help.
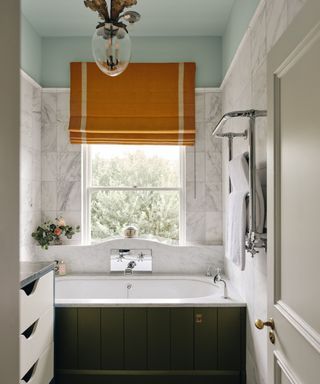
(294, 201)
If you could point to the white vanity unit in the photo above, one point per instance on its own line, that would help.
(36, 323)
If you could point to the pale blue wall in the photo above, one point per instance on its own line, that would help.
(57, 53)
(47, 59)
(31, 47)
(241, 14)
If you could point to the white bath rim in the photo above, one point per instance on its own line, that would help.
(210, 294)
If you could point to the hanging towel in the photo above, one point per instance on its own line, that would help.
(260, 206)
(237, 220)
(237, 210)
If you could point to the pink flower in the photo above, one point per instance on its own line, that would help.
(57, 231)
(61, 222)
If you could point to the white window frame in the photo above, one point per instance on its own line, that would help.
(87, 189)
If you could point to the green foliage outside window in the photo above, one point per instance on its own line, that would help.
(155, 213)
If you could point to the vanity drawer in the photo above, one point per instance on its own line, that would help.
(35, 299)
(42, 371)
(35, 340)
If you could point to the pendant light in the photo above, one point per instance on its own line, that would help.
(111, 43)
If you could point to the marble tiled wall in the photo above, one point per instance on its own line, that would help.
(30, 165)
(166, 259)
(61, 168)
(61, 162)
(203, 187)
(244, 88)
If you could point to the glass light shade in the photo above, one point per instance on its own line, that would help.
(111, 48)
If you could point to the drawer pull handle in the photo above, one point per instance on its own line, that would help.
(199, 318)
(28, 376)
(30, 288)
(30, 330)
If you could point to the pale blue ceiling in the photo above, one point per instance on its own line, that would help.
(159, 17)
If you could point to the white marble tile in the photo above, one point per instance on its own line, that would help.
(49, 195)
(196, 227)
(49, 138)
(213, 106)
(36, 131)
(258, 37)
(294, 7)
(36, 195)
(70, 166)
(49, 108)
(166, 259)
(200, 107)
(213, 197)
(69, 195)
(26, 229)
(63, 106)
(259, 87)
(243, 102)
(26, 124)
(25, 164)
(36, 165)
(196, 197)
(64, 144)
(50, 166)
(200, 137)
(213, 144)
(242, 70)
(200, 166)
(26, 95)
(261, 142)
(213, 167)
(213, 228)
(47, 215)
(276, 21)
(36, 100)
(26, 195)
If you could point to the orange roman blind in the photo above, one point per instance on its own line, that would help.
(147, 104)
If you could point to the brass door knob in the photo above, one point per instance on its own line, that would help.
(261, 324)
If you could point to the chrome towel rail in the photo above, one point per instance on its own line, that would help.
(254, 239)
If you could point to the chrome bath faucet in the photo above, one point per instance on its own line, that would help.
(130, 267)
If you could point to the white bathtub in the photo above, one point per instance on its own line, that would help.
(99, 290)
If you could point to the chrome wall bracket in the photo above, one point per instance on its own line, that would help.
(254, 240)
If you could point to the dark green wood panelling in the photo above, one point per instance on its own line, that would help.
(159, 338)
(229, 338)
(112, 342)
(155, 378)
(182, 338)
(154, 339)
(135, 338)
(205, 338)
(89, 338)
(66, 338)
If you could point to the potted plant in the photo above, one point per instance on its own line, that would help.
(50, 233)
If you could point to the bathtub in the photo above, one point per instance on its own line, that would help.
(155, 290)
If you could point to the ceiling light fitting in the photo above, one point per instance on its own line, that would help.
(111, 43)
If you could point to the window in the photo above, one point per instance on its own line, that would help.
(133, 185)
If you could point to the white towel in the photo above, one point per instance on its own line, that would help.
(237, 210)
(237, 222)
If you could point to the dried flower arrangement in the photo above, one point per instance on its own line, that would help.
(50, 233)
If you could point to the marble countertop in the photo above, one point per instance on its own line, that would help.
(30, 271)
